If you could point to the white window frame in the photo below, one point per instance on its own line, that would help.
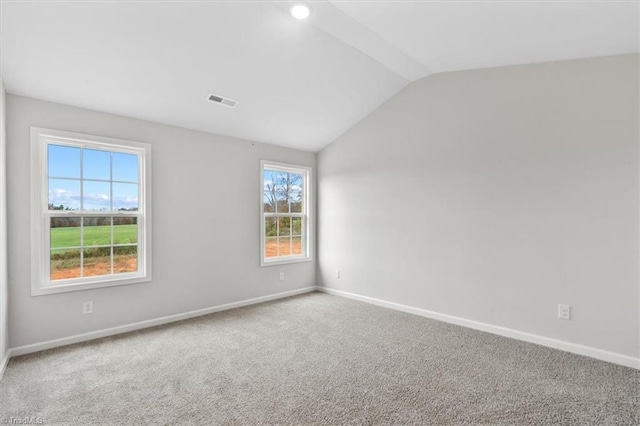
(307, 214)
(41, 283)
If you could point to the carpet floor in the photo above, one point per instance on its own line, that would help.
(315, 359)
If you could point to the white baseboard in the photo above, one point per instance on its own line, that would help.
(41, 346)
(4, 362)
(600, 354)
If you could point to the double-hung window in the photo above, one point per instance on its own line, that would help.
(91, 211)
(285, 206)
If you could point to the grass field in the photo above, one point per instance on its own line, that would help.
(65, 255)
(93, 236)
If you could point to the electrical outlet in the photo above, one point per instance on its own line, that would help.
(87, 307)
(337, 274)
(564, 312)
(281, 276)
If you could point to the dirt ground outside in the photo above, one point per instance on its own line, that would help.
(96, 266)
(101, 265)
(271, 248)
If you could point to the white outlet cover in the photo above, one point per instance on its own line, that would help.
(564, 311)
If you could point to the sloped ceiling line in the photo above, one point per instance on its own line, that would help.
(331, 20)
(300, 84)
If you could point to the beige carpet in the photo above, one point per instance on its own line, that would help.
(316, 359)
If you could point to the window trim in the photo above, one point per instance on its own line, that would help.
(40, 240)
(308, 210)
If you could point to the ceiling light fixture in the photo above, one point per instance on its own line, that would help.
(300, 11)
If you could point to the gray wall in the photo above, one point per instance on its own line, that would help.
(4, 328)
(206, 224)
(493, 195)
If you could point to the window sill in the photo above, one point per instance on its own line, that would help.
(88, 285)
(285, 261)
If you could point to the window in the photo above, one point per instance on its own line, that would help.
(285, 213)
(91, 222)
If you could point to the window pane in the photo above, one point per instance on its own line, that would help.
(269, 180)
(295, 201)
(296, 226)
(296, 245)
(269, 202)
(125, 259)
(270, 247)
(96, 164)
(125, 196)
(95, 196)
(125, 230)
(125, 167)
(64, 194)
(282, 202)
(65, 232)
(96, 261)
(294, 182)
(64, 161)
(97, 231)
(284, 246)
(270, 227)
(284, 226)
(280, 181)
(64, 264)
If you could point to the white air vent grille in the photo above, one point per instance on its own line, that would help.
(221, 100)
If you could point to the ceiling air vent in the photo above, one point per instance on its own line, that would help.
(217, 99)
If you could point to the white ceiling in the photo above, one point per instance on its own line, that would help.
(457, 35)
(300, 84)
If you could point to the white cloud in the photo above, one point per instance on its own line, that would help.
(92, 201)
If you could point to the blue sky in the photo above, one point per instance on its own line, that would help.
(271, 176)
(64, 171)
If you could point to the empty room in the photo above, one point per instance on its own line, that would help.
(324, 212)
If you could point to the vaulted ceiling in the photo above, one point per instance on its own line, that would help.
(299, 83)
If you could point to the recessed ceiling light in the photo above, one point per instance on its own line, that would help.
(300, 11)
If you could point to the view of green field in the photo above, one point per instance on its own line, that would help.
(65, 254)
(93, 235)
